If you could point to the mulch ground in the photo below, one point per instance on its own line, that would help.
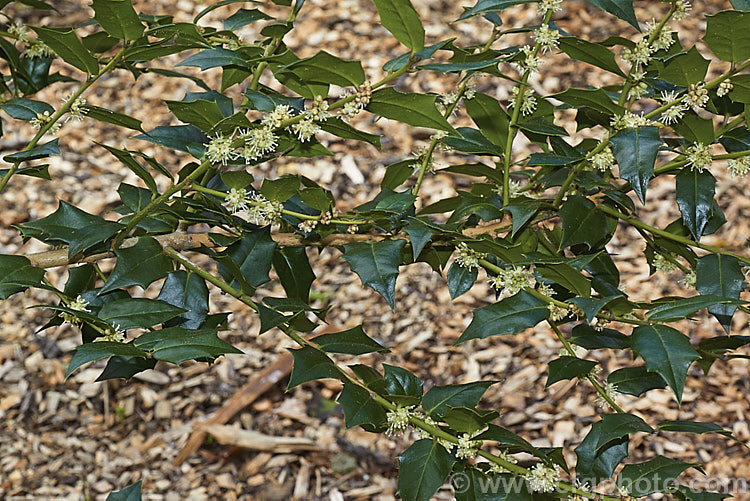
(71, 439)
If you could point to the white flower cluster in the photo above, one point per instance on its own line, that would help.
(629, 121)
(698, 156)
(39, 49)
(263, 211)
(514, 189)
(527, 100)
(724, 88)
(77, 108)
(689, 279)
(360, 102)
(676, 111)
(557, 313)
(236, 200)
(511, 280)
(19, 31)
(468, 257)
(604, 160)
(663, 39)
(682, 9)
(219, 149)
(43, 119)
(640, 53)
(274, 119)
(549, 5)
(529, 62)
(542, 478)
(258, 142)
(696, 97)
(467, 448)
(739, 166)
(547, 38)
(78, 304)
(398, 420)
(664, 265)
(496, 468)
(611, 391)
(114, 334)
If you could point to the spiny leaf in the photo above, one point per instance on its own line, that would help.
(422, 469)
(400, 18)
(509, 316)
(376, 263)
(636, 150)
(140, 265)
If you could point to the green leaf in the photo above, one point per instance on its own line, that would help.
(359, 407)
(589, 52)
(473, 142)
(243, 17)
(473, 485)
(509, 316)
(177, 344)
(655, 475)
(90, 352)
(125, 367)
(352, 341)
(17, 274)
(253, 255)
(568, 368)
(591, 306)
(596, 99)
(667, 352)
(506, 438)
(539, 125)
(376, 263)
(460, 279)
(327, 69)
(419, 234)
(685, 68)
(400, 18)
(740, 4)
(720, 276)
(467, 419)
(69, 47)
(202, 113)
(140, 265)
(582, 223)
(118, 18)
(422, 469)
(570, 278)
(39, 151)
(459, 67)
(113, 117)
(695, 129)
(636, 380)
(695, 197)
(522, 209)
(585, 336)
(294, 271)
(372, 378)
(132, 313)
(311, 364)
(728, 35)
(594, 463)
(339, 128)
(402, 386)
(211, 58)
(685, 493)
(684, 307)
(484, 6)
(693, 427)
(619, 8)
(410, 108)
(437, 399)
(186, 291)
(185, 138)
(130, 493)
(615, 426)
(636, 150)
(490, 117)
(26, 109)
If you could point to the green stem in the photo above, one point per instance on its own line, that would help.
(271, 48)
(61, 111)
(670, 236)
(597, 386)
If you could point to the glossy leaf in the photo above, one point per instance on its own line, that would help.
(328, 69)
(125, 367)
(140, 265)
(615, 426)
(17, 274)
(311, 364)
(402, 386)
(438, 398)
(410, 108)
(728, 35)
(138, 312)
(118, 18)
(655, 475)
(252, 255)
(695, 196)
(582, 223)
(685, 307)
(69, 47)
(484, 6)
(359, 407)
(586, 336)
(619, 8)
(693, 427)
(636, 380)
(598, 463)
(636, 150)
(685, 68)
(720, 275)
(39, 151)
(422, 469)
(26, 109)
(568, 368)
(490, 117)
(509, 316)
(589, 52)
(376, 263)
(460, 279)
(90, 352)
(352, 341)
(667, 352)
(243, 17)
(294, 271)
(177, 344)
(400, 18)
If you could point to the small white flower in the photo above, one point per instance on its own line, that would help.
(611, 391)
(39, 49)
(496, 468)
(549, 5)
(530, 62)
(275, 118)
(739, 166)
(604, 160)
(19, 31)
(640, 54)
(547, 38)
(543, 478)
(43, 119)
(629, 121)
(696, 97)
(698, 156)
(676, 111)
(114, 334)
(468, 257)
(510, 281)
(663, 40)
(77, 108)
(308, 225)
(689, 279)
(319, 110)
(236, 200)
(470, 92)
(78, 304)
(219, 149)
(724, 88)
(557, 313)
(528, 101)
(263, 211)
(258, 142)
(682, 9)
(514, 189)
(398, 420)
(638, 90)
(664, 265)
(305, 129)
(546, 290)
(467, 448)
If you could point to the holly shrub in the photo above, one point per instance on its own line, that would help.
(537, 226)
